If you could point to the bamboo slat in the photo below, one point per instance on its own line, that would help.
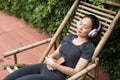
(95, 11)
(93, 6)
(105, 24)
(73, 24)
(102, 33)
(77, 17)
(79, 14)
(73, 29)
(75, 21)
(104, 29)
(70, 31)
(100, 17)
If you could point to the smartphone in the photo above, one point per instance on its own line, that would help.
(60, 60)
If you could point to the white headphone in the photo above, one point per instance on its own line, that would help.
(94, 32)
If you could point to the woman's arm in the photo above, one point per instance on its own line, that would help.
(71, 71)
(82, 63)
(55, 53)
(51, 56)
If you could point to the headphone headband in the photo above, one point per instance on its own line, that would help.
(99, 27)
(95, 32)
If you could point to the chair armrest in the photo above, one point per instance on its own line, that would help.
(82, 72)
(18, 50)
(85, 70)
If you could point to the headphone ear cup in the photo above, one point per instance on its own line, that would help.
(93, 33)
(78, 23)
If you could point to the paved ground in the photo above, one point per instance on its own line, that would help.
(14, 33)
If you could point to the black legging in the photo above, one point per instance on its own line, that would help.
(35, 72)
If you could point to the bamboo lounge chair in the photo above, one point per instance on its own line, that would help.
(108, 19)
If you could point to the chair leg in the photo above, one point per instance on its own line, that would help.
(97, 69)
(15, 58)
(82, 77)
(55, 45)
(90, 76)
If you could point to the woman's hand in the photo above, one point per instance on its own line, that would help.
(50, 68)
(50, 61)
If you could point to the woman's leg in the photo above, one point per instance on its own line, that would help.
(33, 69)
(31, 77)
(38, 77)
(34, 72)
(44, 75)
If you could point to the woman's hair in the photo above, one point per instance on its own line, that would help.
(95, 25)
(94, 20)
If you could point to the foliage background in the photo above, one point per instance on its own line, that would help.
(43, 14)
(47, 15)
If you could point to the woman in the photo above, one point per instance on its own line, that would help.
(76, 51)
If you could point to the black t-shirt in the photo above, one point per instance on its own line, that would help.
(72, 53)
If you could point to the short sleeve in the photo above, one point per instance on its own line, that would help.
(88, 52)
(67, 38)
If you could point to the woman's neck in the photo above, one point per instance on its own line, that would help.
(82, 39)
(79, 40)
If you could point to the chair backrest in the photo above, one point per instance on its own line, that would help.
(106, 16)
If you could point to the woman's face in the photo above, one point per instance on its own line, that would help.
(84, 27)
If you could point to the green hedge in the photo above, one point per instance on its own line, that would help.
(47, 15)
(43, 14)
(110, 58)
